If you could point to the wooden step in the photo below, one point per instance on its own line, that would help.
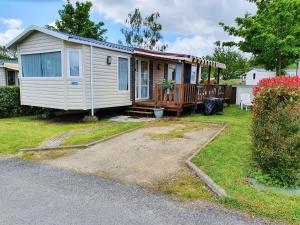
(140, 112)
(141, 107)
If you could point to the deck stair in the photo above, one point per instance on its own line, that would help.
(140, 111)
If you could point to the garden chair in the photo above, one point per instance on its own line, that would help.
(245, 101)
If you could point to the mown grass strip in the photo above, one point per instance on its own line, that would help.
(29, 132)
(227, 160)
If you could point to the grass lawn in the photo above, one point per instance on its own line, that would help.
(29, 132)
(101, 133)
(227, 160)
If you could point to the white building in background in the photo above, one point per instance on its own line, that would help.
(251, 79)
(255, 75)
(9, 70)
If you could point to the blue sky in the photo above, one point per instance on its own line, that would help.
(189, 26)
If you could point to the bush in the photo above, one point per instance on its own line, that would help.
(276, 129)
(10, 103)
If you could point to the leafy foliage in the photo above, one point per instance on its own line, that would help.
(10, 103)
(236, 64)
(7, 54)
(167, 84)
(143, 32)
(76, 20)
(276, 129)
(272, 35)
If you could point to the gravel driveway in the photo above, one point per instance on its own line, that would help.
(35, 194)
(144, 156)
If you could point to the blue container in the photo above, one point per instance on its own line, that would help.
(158, 112)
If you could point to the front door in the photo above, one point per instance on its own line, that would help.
(142, 79)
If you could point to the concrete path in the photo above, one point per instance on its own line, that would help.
(35, 194)
(145, 156)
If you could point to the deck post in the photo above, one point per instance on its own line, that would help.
(197, 73)
(196, 88)
(181, 90)
(218, 76)
(209, 74)
(218, 81)
(133, 80)
(208, 79)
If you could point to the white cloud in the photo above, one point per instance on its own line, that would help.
(183, 17)
(196, 45)
(195, 23)
(12, 23)
(13, 28)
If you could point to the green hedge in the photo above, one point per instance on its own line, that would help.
(10, 104)
(276, 133)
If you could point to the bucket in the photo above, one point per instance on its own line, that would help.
(158, 112)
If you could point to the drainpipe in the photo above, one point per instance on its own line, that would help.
(92, 81)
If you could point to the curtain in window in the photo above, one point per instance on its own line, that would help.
(51, 64)
(123, 74)
(41, 65)
(31, 65)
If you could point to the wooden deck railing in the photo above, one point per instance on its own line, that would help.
(180, 94)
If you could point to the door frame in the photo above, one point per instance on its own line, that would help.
(14, 75)
(138, 72)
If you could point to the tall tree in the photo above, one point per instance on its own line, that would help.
(272, 35)
(236, 64)
(76, 20)
(7, 54)
(143, 32)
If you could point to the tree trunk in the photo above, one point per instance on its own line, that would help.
(278, 69)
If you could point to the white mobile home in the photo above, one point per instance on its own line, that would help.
(256, 74)
(64, 71)
(9, 70)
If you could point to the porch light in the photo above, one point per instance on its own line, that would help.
(108, 60)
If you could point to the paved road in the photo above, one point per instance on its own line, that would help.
(39, 194)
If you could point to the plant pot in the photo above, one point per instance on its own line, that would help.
(158, 112)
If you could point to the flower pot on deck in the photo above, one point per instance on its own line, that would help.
(158, 112)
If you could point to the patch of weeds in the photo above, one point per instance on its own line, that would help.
(232, 202)
(178, 132)
(53, 154)
(185, 186)
(101, 133)
(44, 155)
(27, 155)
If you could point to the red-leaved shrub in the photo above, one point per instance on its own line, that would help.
(276, 129)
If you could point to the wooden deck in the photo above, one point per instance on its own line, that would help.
(182, 96)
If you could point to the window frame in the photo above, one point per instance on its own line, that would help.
(129, 72)
(41, 52)
(7, 77)
(68, 63)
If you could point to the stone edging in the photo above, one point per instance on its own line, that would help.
(83, 146)
(215, 188)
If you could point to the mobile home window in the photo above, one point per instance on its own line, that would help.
(74, 63)
(123, 74)
(41, 65)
